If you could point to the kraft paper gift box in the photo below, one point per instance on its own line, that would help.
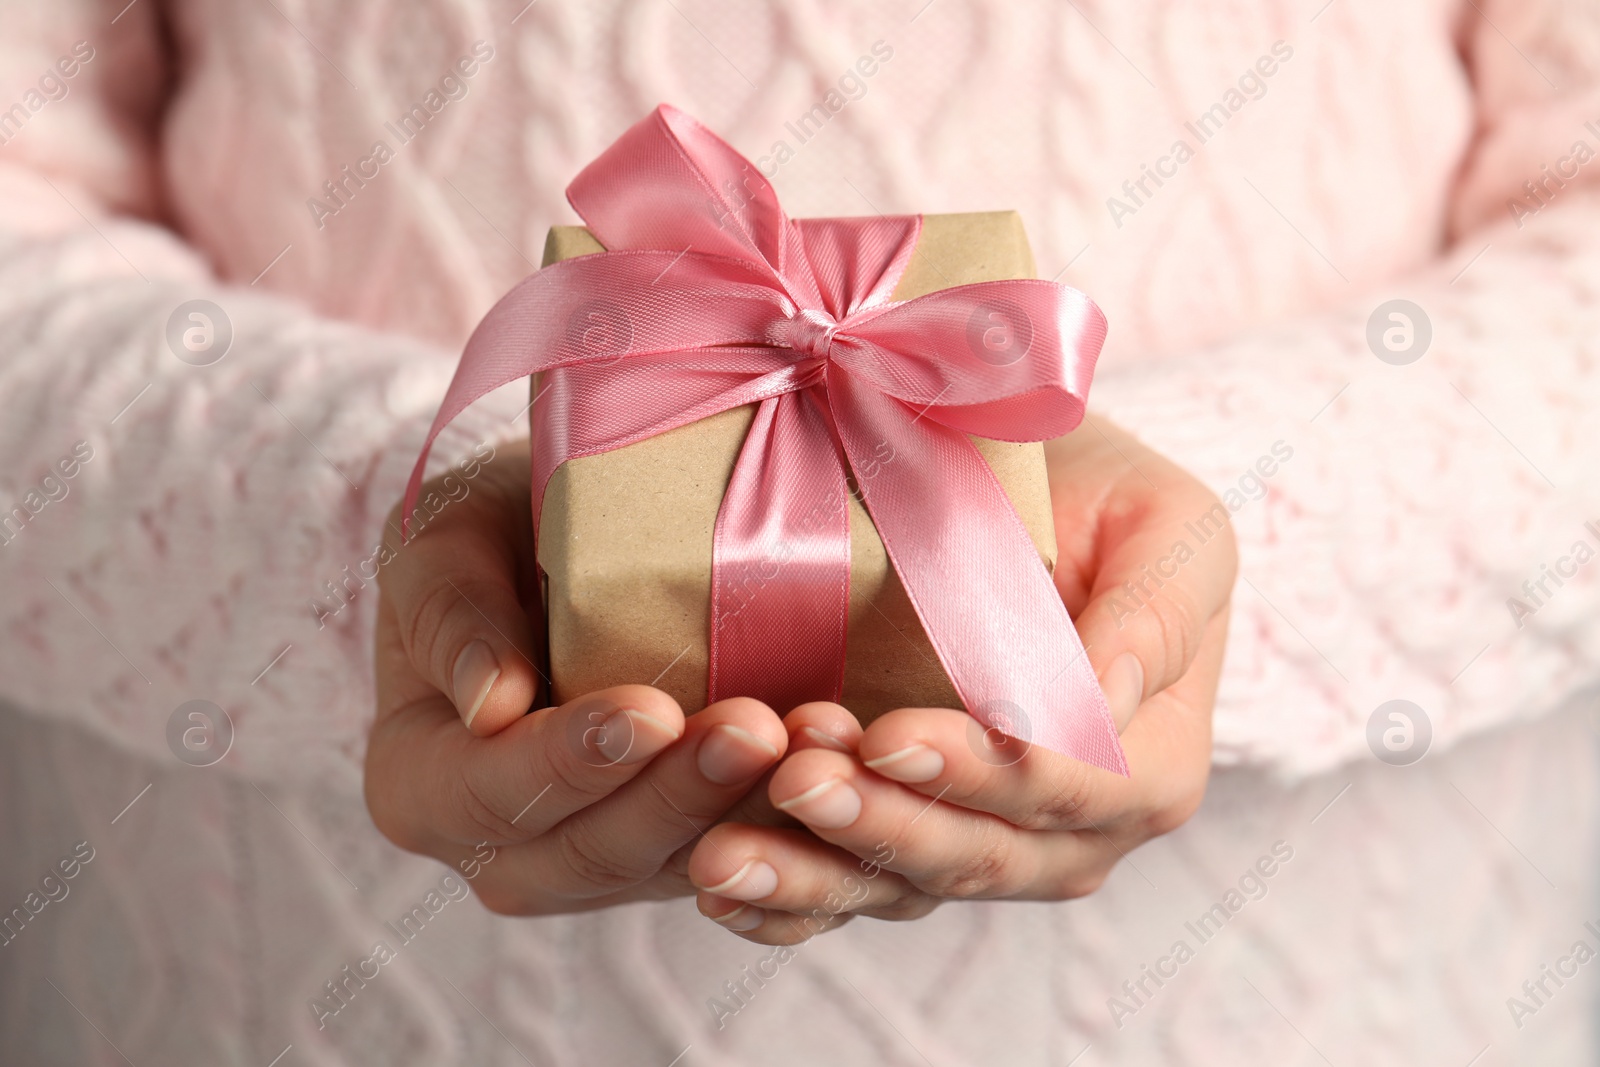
(625, 537)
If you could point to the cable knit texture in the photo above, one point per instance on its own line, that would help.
(213, 546)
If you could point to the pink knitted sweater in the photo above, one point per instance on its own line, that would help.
(355, 183)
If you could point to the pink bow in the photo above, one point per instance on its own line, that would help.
(710, 298)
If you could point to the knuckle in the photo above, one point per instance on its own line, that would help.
(1179, 626)
(481, 816)
(1065, 808)
(562, 764)
(983, 872)
(422, 625)
(593, 865)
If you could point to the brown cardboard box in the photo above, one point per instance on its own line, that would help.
(625, 537)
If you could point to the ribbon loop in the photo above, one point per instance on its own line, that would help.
(707, 298)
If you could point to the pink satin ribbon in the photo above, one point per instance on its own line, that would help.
(710, 298)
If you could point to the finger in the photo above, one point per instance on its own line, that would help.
(430, 781)
(1167, 567)
(815, 725)
(822, 724)
(458, 588)
(929, 842)
(630, 835)
(768, 926)
(790, 870)
(942, 849)
(944, 753)
(764, 927)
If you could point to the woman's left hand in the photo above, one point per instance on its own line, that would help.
(925, 806)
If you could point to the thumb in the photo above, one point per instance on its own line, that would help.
(1159, 584)
(461, 620)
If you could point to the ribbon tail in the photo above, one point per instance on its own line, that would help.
(781, 562)
(973, 575)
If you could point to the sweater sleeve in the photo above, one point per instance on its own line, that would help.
(195, 474)
(1416, 497)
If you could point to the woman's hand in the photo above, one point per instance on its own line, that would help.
(586, 805)
(925, 806)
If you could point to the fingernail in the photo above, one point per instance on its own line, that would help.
(628, 736)
(914, 763)
(753, 881)
(1124, 687)
(742, 919)
(472, 677)
(825, 740)
(832, 805)
(730, 755)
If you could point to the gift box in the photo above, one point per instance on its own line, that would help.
(795, 459)
(625, 537)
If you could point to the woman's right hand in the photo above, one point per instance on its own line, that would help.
(589, 804)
